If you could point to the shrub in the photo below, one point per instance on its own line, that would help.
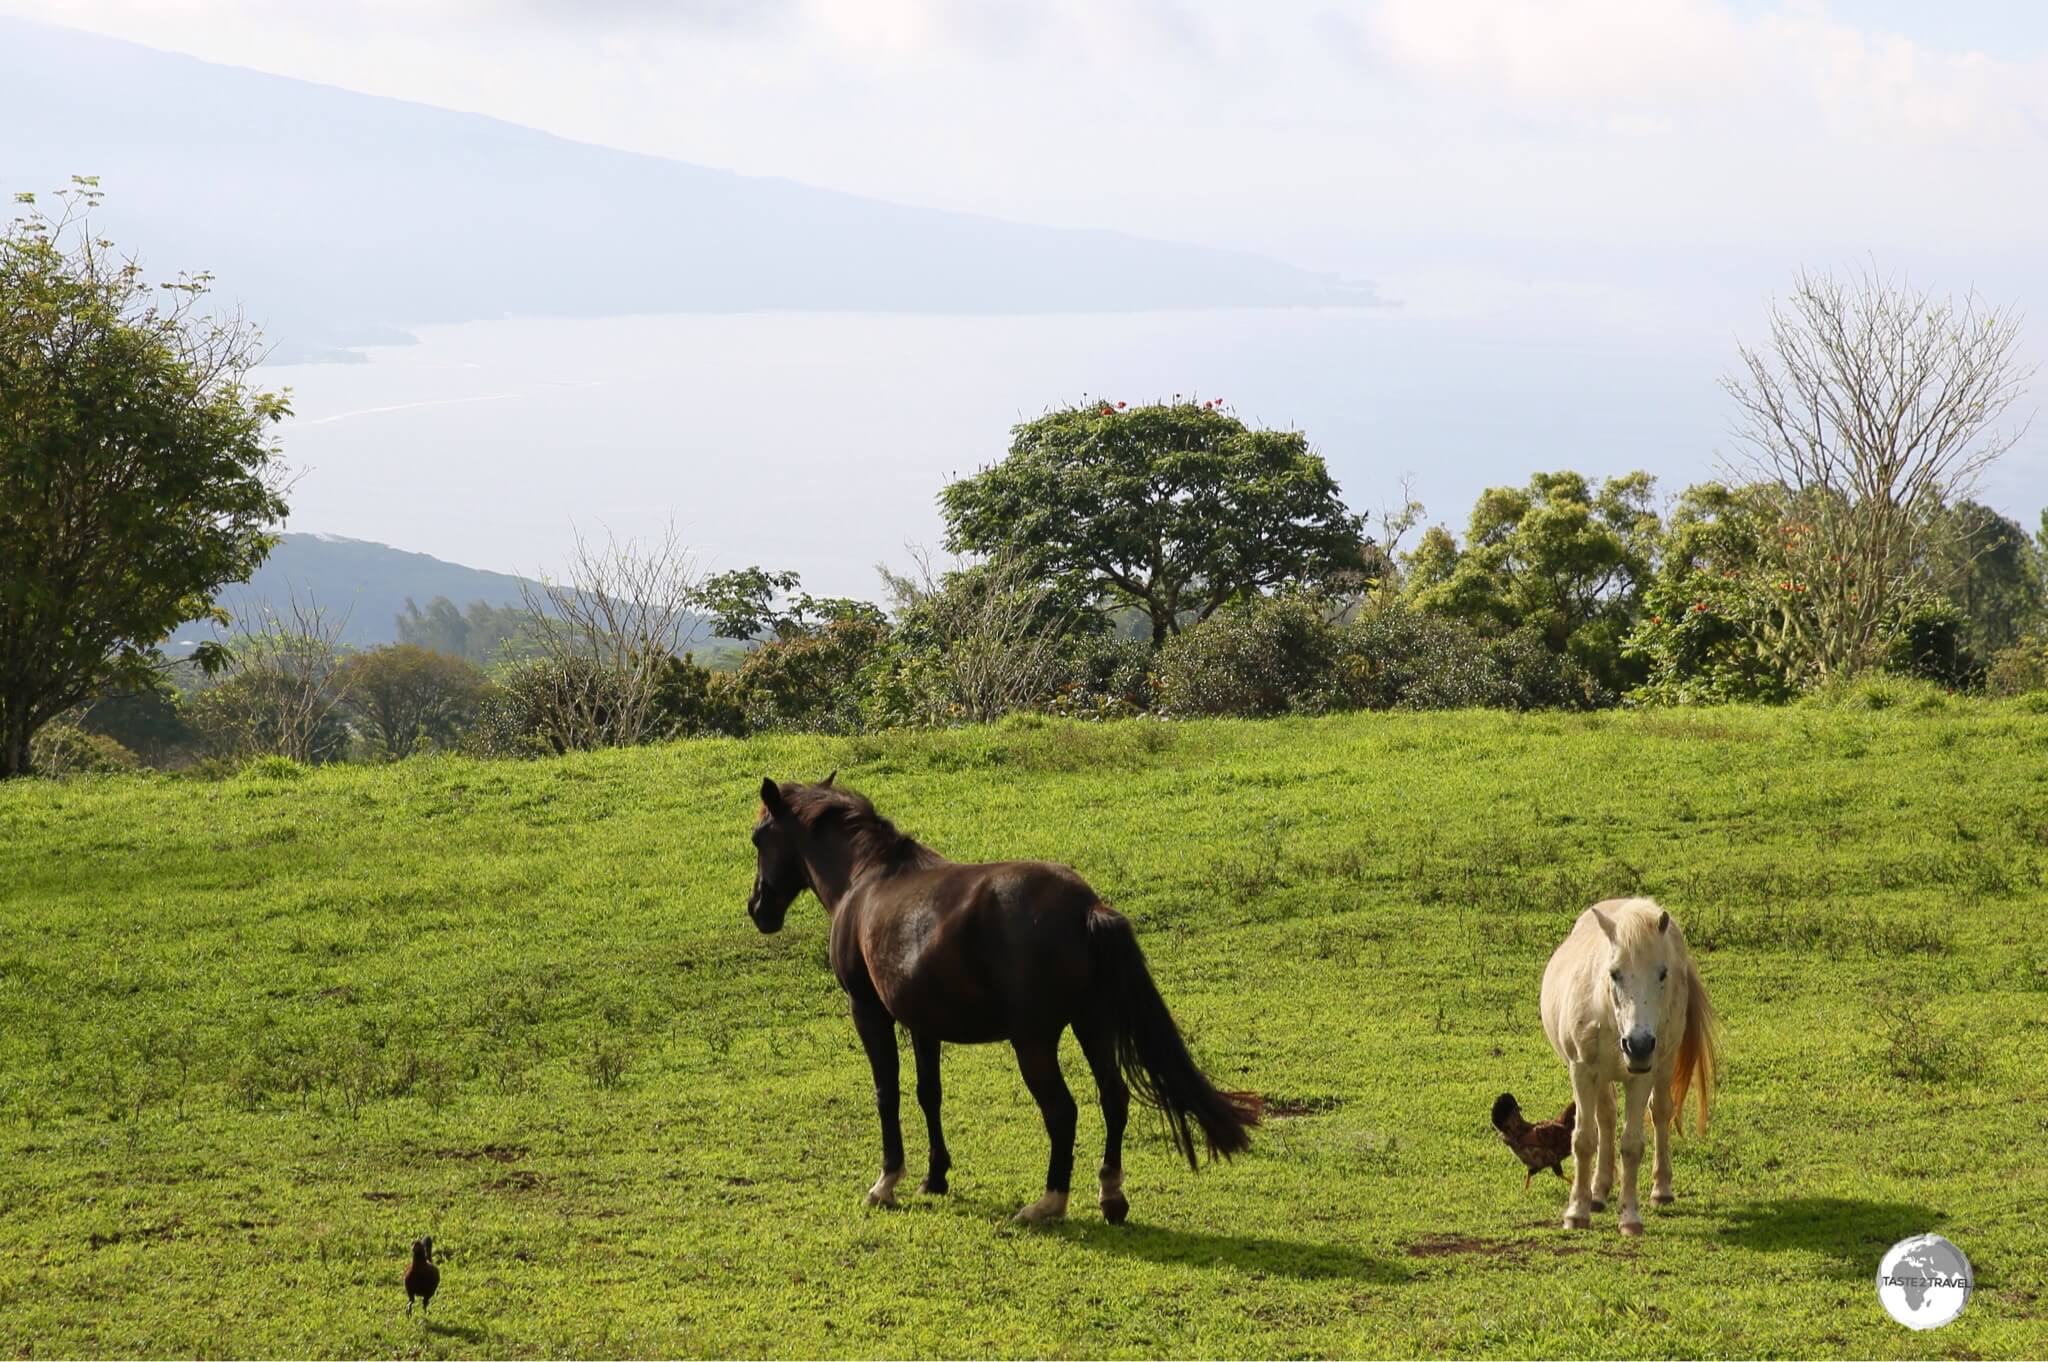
(1107, 678)
(813, 682)
(1534, 676)
(545, 707)
(2019, 670)
(64, 749)
(1267, 655)
(693, 701)
(1396, 657)
(267, 708)
(1925, 640)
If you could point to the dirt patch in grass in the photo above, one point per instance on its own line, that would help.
(496, 1153)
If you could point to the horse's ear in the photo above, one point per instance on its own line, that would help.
(1606, 922)
(827, 781)
(771, 798)
(1663, 922)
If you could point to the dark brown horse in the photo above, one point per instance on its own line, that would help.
(966, 954)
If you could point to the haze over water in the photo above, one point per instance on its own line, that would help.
(820, 441)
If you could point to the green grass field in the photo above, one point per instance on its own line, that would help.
(256, 1035)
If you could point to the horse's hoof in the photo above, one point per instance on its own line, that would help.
(1115, 1209)
(934, 1184)
(883, 1193)
(1633, 1229)
(1051, 1206)
(1661, 1198)
(1578, 1222)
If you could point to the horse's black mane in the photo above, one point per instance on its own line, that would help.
(874, 839)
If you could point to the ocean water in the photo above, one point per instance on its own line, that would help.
(819, 442)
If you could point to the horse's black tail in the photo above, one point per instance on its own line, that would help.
(1149, 1048)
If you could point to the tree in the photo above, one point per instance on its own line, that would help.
(137, 474)
(1176, 509)
(1564, 557)
(1872, 407)
(402, 693)
(750, 604)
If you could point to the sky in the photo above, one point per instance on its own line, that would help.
(1651, 170)
(1340, 136)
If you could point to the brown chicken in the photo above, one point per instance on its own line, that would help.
(422, 1277)
(1543, 1144)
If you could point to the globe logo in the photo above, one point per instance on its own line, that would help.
(1924, 1282)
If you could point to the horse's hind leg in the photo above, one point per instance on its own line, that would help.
(1603, 1174)
(1100, 1047)
(926, 1048)
(878, 1037)
(1586, 1085)
(1040, 1062)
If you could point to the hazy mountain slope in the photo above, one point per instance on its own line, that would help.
(369, 582)
(331, 214)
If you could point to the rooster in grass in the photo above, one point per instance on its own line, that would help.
(422, 1277)
(1539, 1145)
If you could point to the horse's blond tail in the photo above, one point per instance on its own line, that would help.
(1697, 1060)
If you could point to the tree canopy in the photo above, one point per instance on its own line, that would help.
(1564, 555)
(1175, 509)
(137, 475)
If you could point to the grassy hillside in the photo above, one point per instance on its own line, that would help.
(256, 1035)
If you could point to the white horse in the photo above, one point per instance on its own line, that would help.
(1623, 1002)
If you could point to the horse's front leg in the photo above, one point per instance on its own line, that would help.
(1040, 1062)
(1586, 1086)
(926, 1048)
(1660, 1123)
(1603, 1170)
(878, 1037)
(1635, 1097)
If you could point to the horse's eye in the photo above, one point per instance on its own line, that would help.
(1662, 970)
(1615, 975)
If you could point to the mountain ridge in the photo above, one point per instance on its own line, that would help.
(339, 215)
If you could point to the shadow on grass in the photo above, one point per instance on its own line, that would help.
(467, 1333)
(1249, 1253)
(1853, 1231)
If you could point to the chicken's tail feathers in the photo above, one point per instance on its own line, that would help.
(1570, 1114)
(1507, 1113)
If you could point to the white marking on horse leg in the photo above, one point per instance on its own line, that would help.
(1051, 1206)
(883, 1193)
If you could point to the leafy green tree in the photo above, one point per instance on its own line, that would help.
(1721, 621)
(1176, 509)
(137, 476)
(751, 603)
(1563, 556)
(402, 693)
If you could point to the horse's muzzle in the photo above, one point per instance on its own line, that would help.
(764, 917)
